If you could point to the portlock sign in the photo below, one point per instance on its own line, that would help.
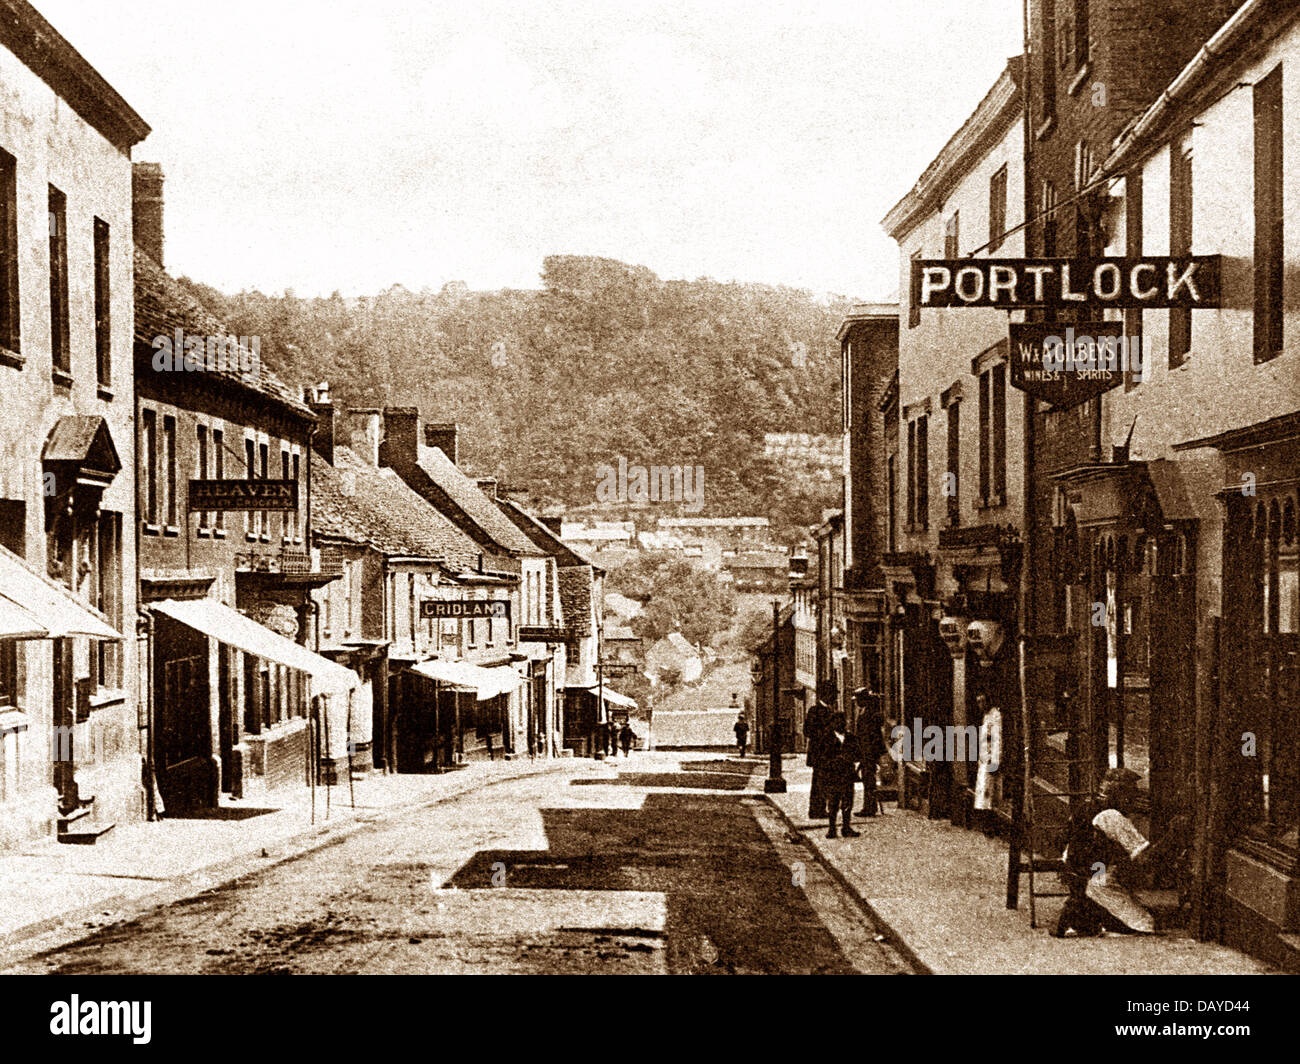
(464, 609)
(1011, 284)
(1066, 365)
(243, 495)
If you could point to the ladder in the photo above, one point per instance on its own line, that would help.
(1024, 856)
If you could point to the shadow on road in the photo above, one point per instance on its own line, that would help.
(732, 906)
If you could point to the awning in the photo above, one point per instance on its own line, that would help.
(228, 626)
(42, 603)
(486, 683)
(17, 623)
(612, 697)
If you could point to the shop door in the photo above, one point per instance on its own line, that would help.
(187, 778)
(1170, 601)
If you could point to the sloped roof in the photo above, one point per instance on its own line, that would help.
(542, 537)
(576, 589)
(163, 305)
(364, 504)
(465, 493)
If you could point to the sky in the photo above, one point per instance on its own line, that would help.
(357, 144)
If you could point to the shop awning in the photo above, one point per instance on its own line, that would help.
(612, 697)
(485, 683)
(229, 626)
(38, 607)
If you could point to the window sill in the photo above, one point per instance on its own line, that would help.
(203, 533)
(61, 378)
(12, 359)
(104, 393)
(995, 503)
(107, 696)
(1079, 78)
(151, 530)
(218, 533)
(172, 531)
(1045, 129)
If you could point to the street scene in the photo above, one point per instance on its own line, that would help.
(687, 488)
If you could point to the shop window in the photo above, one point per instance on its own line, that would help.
(108, 596)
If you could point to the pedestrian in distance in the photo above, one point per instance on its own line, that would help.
(742, 734)
(814, 727)
(626, 738)
(871, 742)
(837, 759)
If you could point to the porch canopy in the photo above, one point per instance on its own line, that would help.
(32, 606)
(485, 683)
(219, 621)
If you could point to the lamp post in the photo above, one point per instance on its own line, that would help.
(775, 782)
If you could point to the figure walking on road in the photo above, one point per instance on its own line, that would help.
(626, 738)
(742, 734)
(871, 741)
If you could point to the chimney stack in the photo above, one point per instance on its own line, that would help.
(147, 208)
(318, 399)
(362, 431)
(443, 435)
(400, 448)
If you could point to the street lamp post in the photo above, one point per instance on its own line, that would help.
(775, 782)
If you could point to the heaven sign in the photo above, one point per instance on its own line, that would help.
(1009, 284)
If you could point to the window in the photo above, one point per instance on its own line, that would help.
(219, 473)
(286, 528)
(108, 596)
(169, 456)
(9, 308)
(202, 474)
(103, 322)
(263, 516)
(294, 522)
(997, 208)
(1180, 241)
(1048, 208)
(1081, 31)
(253, 518)
(952, 236)
(914, 304)
(892, 503)
(149, 453)
(1133, 249)
(993, 435)
(1047, 66)
(1268, 217)
(952, 481)
(918, 470)
(59, 348)
(846, 385)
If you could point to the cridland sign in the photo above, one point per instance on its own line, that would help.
(464, 609)
(1058, 284)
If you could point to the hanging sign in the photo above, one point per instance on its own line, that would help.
(1011, 284)
(1066, 365)
(464, 609)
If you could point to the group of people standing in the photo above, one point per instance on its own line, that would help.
(609, 737)
(839, 758)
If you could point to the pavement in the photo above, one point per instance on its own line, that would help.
(939, 894)
(50, 886)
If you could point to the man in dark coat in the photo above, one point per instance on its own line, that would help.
(741, 728)
(837, 760)
(814, 727)
(871, 744)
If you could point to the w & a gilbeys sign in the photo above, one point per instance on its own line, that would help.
(1066, 365)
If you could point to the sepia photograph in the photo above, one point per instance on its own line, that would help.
(687, 487)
